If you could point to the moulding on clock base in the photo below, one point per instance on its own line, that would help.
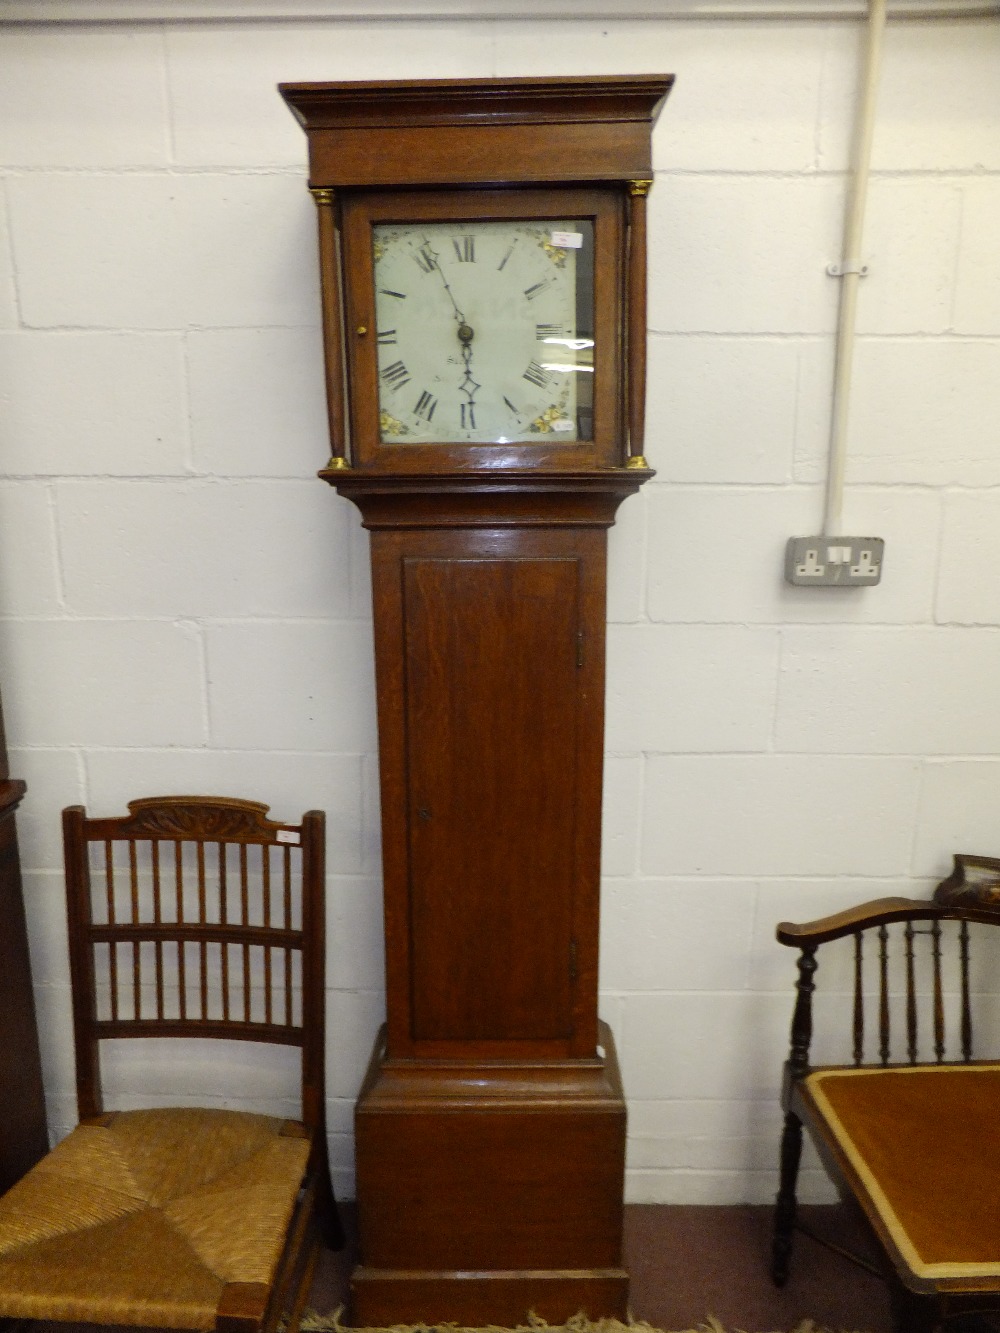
(383, 1298)
(490, 1188)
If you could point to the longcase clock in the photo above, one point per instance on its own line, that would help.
(483, 254)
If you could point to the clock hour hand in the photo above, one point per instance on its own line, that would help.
(466, 333)
(468, 386)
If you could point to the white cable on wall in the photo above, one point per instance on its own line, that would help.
(851, 268)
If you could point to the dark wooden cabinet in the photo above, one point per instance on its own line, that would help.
(23, 1132)
(490, 1127)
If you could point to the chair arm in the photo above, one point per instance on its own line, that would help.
(881, 911)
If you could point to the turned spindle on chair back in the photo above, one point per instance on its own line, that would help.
(911, 934)
(196, 917)
(892, 938)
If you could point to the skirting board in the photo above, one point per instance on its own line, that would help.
(265, 11)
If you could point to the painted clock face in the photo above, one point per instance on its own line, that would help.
(485, 331)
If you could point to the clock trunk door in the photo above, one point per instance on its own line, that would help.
(491, 701)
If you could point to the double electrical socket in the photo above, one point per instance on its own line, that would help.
(834, 562)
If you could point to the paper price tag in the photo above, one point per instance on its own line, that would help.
(567, 240)
(562, 423)
(287, 835)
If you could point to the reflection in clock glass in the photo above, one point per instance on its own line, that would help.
(485, 331)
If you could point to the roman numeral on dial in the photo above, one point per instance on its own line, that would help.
(537, 375)
(386, 336)
(426, 259)
(465, 249)
(543, 331)
(537, 288)
(468, 416)
(426, 404)
(396, 375)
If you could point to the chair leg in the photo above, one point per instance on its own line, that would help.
(785, 1206)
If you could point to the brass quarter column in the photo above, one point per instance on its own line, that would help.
(333, 341)
(636, 333)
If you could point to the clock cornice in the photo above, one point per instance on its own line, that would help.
(439, 101)
(487, 131)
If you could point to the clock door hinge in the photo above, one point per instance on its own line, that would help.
(579, 648)
(572, 960)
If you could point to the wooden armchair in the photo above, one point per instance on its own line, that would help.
(910, 1136)
(190, 917)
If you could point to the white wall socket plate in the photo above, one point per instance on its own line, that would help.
(834, 562)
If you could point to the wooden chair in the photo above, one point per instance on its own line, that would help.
(190, 917)
(911, 1138)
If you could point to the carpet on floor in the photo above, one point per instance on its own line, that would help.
(317, 1323)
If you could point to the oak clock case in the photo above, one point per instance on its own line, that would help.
(482, 250)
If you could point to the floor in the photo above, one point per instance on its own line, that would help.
(689, 1262)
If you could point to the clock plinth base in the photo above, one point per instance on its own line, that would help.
(381, 1298)
(490, 1189)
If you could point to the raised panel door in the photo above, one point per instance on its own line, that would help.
(491, 708)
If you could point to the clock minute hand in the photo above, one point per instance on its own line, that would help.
(431, 259)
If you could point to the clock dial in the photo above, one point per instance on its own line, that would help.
(484, 331)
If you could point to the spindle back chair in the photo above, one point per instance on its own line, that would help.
(191, 917)
(906, 1127)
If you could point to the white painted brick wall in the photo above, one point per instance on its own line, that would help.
(93, 403)
(84, 99)
(164, 251)
(183, 607)
(720, 678)
(685, 407)
(738, 254)
(778, 814)
(257, 402)
(977, 286)
(202, 549)
(888, 690)
(970, 539)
